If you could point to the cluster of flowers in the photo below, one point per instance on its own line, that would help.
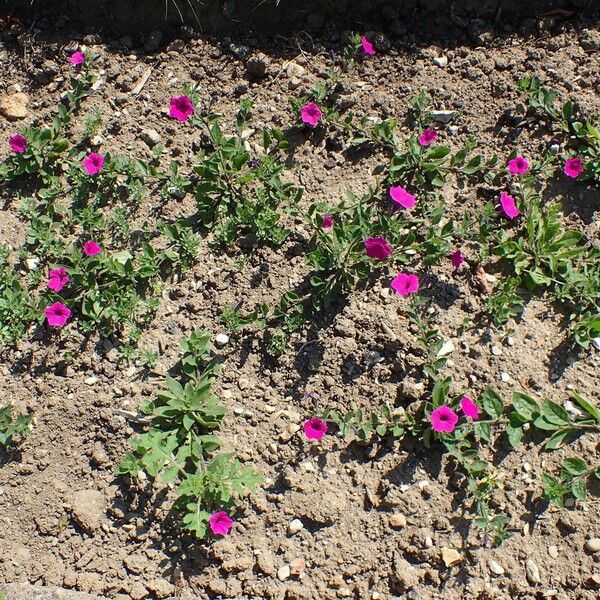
(57, 314)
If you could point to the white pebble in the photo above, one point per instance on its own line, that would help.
(284, 573)
(504, 377)
(221, 339)
(91, 380)
(441, 61)
(593, 544)
(553, 551)
(496, 568)
(496, 350)
(295, 526)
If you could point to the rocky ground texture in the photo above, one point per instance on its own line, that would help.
(334, 520)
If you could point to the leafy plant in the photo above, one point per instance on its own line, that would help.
(11, 426)
(180, 443)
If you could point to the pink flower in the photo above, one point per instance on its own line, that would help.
(57, 279)
(469, 408)
(315, 429)
(77, 58)
(402, 197)
(428, 137)
(93, 163)
(327, 222)
(508, 205)
(367, 46)
(90, 248)
(181, 108)
(220, 523)
(573, 167)
(457, 258)
(378, 247)
(405, 284)
(57, 314)
(311, 114)
(17, 143)
(444, 419)
(518, 166)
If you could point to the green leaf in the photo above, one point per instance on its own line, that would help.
(492, 403)
(440, 392)
(483, 430)
(556, 440)
(588, 407)
(525, 405)
(514, 433)
(575, 466)
(554, 413)
(578, 489)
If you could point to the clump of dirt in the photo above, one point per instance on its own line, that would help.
(377, 521)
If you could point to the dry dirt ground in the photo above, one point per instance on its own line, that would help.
(66, 520)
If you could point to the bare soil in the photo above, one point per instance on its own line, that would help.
(347, 495)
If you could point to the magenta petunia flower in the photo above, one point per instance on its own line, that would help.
(457, 258)
(469, 408)
(181, 108)
(220, 523)
(428, 137)
(57, 279)
(518, 166)
(91, 248)
(574, 167)
(315, 428)
(405, 284)
(17, 143)
(57, 314)
(402, 197)
(444, 419)
(378, 247)
(93, 163)
(367, 46)
(310, 114)
(327, 222)
(77, 58)
(509, 206)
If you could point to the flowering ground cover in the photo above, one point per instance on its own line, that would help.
(317, 323)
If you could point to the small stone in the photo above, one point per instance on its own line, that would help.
(443, 116)
(221, 339)
(496, 568)
(441, 61)
(504, 377)
(243, 383)
(447, 348)
(138, 591)
(256, 65)
(553, 551)
(398, 521)
(151, 137)
(88, 507)
(451, 557)
(295, 70)
(510, 341)
(297, 566)
(532, 571)
(284, 573)
(496, 350)
(161, 588)
(428, 542)
(32, 263)
(596, 343)
(14, 106)
(295, 526)
(593, 545)
(453, 130)
(90, 380)
(375, 595)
